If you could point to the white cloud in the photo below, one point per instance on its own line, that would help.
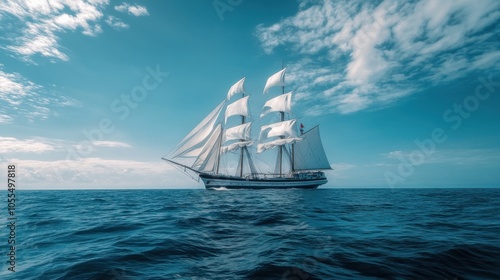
(56, 171)
(135, 10)
(457, 156)
(111, 144)
(10, 145)
(395, 154)
(14, 145)
(44, 21)
(21, 98)
(116, 23)
(5, 118)
(13, 87)
(33, 29)
(98, 173)
(487, 60)
(368, 55)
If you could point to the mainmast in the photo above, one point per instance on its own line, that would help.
(282, 115)
(242, 140)
(280, 133)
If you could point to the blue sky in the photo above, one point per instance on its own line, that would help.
(407, 94)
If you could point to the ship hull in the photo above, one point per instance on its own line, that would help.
(229, 182)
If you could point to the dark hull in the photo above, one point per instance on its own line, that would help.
(229, 182)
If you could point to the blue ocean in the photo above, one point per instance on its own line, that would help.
(249, 234)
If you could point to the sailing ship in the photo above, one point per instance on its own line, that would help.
(300, 159)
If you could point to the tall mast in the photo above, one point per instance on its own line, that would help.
(239, 132)
(282, 129)
(242, 148)
(219, 151)
(282, 114)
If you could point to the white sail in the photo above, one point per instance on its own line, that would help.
(281, 103)
(240, 132)
(277, 79)
(286, 130)
(309, 153)
(235, 146)
(239, 87)
(278, 142)
(280, 129)
(209, 155)
(195, 139)
(239, 107)
(192, 153)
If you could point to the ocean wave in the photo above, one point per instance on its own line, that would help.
(197, 234)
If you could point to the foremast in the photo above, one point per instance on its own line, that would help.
(239, 133)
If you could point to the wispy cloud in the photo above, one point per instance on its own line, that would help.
(21, 98)
(32, 29)
(42, 23)
(111, 144)
(368, 55)
(10, 145)
(13, 87)
(116, 23)
(5, 119)
(14, 145)
(135, 10)
(458, 156)
(98, 173)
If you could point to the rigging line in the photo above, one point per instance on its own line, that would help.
(183, 170)
(250, 162)
(286, 152)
